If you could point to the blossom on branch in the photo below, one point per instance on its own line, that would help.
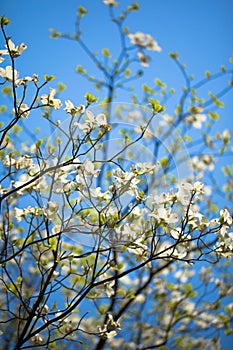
(92, 122)
(143, 59)
(109, 329)
(195, 120)
(24, 110)
(49, 99)
(13, 50)
(9, 74)
(139, 249)
(144, 41)
(164, 215)
(72, 109)
(110, 2)
(37, 339)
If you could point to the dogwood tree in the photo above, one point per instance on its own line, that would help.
(115, 231)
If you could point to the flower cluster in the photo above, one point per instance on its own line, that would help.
(12, 50)
(9, 74)
(72, 109)
(23, 110)
(109, 329)
(12, 76)
(22, 213)
(22, 162)
(37, 339)
(144, 59)
(92, 122)
(110, 2)
(139, 249)
(144, 41)
(196, 118)
(52, 210)
(224, 246)
(50, 101)
(202, 163)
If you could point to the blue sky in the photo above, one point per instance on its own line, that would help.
(201, 31)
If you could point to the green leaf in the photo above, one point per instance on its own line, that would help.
(188, 287)
(53, 242)
(5, 21)
(157, 108)
(178, 109)
(106, 53)
(102, 309)
(227, 170)
(216, 100)
(127, 72)
(7, 91)
(3, 109)
(213, 115)
(164, 162)
(19, 280)
(102, 218)
(160, 83)
(61, 87)
(49, 77)
(187, 138)
(39, 143)
(81, 11)
(133, 7)
(79, 69)
(54, 34)
(174, 55)
(11, 286)
(147, 89)
(223, 69)
(90, 98)
(16, 129)
(228, 331)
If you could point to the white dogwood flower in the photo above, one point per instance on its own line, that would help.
(72, 109)
(23, 110)
(92, 122)
(196, 120)
(50, 100)
(37, 339)
(9, 74)
(15, 51)
(143, 59)
(110, 2)
(144, 41)
(164, 215)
